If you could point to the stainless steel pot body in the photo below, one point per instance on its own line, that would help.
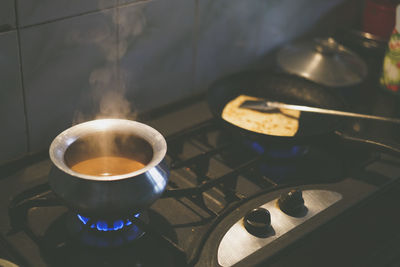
(110, 196)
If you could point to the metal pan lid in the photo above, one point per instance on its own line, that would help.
(323, 61)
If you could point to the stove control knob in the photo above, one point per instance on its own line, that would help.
(292, 203)
(258, 222)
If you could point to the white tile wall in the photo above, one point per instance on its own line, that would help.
(13, 136)
(58, 60)
(7, 15)
(156, 44)
(151, 51)
(34, 11)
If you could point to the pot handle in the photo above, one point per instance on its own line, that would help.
(376, 143)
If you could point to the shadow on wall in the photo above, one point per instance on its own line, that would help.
(234, 34)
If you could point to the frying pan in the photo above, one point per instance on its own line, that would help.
(293, 90)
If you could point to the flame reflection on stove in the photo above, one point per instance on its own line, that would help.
(105, 226)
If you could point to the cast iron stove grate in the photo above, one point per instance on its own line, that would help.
(194, 155)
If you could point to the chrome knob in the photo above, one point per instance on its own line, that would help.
(258, 222)
(292, 203)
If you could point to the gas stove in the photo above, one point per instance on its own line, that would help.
(228, 202)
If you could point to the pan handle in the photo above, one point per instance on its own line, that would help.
(379, 144)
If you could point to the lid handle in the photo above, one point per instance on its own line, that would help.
(326, 46)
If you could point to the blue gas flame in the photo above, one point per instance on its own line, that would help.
(275, 152)
(105, 226)
(259, 149)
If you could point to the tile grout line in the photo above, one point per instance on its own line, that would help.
(84, 13)
(194, 45)
(7, 31)
(28, 144)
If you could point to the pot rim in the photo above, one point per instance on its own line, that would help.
(62, 142)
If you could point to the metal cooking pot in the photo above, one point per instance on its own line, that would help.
(116, 195)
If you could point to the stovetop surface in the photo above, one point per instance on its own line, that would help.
(214, 181)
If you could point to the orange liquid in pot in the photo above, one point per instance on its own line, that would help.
(107, 166)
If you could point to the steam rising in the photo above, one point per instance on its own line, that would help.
(109, 109)
(109, 92)
(111, 35)
(108, 153)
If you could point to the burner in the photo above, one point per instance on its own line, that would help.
(286, 164)
(105, 233)
(315, 166)
(250, 148)
(104, 226)
(61, 248)
(276, 152)
(245, 149)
